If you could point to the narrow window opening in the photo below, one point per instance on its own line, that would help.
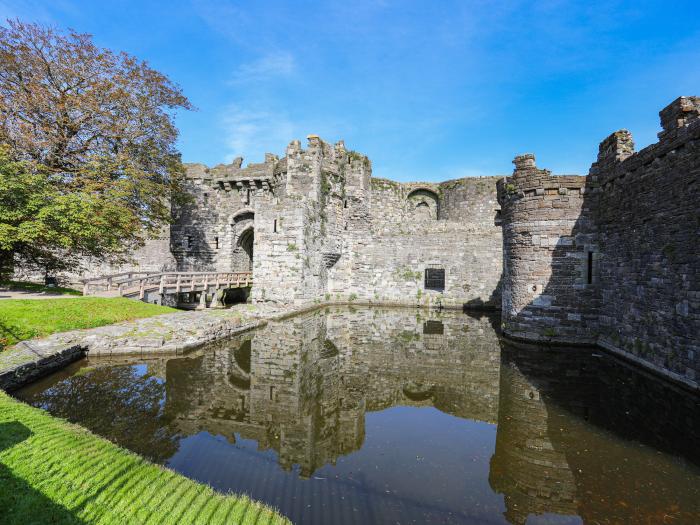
(247, 196)
(272, 393)
(590, 268)
(274, 226)
(345, 203)
(188, 243)
(216, 242)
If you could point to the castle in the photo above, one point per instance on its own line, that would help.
(610, 258)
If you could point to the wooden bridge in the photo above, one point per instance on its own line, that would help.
(138, 285)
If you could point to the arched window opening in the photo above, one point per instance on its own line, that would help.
(422, 205)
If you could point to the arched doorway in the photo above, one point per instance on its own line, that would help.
(245, 245)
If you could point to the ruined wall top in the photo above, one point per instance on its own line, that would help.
(679, 113)
(680, 121)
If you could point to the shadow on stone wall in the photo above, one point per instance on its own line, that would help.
(611, 259)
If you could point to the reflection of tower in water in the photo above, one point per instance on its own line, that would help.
(581, 434)
(297, 393)
(533, 476)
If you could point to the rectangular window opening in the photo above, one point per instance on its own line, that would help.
(247, 196)
(274, 226)
(345, 203)
(435, 279)
(589, 273)
(433, 328)
(216, 242)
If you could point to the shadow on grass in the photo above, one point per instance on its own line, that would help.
(20, 503)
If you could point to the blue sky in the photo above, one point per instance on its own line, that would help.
(429, 90)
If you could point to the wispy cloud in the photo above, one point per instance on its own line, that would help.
(272, 65)
(252, 133)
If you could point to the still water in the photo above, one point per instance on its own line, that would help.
(398, 416)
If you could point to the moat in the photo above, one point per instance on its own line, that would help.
(359, 415)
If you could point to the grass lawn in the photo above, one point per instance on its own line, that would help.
(55, 472)
(37, 288)
(22, 319)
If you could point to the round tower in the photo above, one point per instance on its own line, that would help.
(549, 257)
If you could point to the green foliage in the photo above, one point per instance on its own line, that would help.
(95, 135)
(291, 247)
(510, 189)
(52, 471)
(50, 221)
(22, 319)
(407, 274)
(325, 183)
(352, 297)
(550, 332)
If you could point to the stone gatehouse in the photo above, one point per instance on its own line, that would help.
(315, 225)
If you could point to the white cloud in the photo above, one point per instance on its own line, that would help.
(252, 133)
(270, 66)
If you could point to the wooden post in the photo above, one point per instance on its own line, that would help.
(177, 285)
(162, 285)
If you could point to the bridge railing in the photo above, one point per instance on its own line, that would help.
(110, 282)
(173, 282)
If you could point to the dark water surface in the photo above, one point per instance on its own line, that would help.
(397, 416)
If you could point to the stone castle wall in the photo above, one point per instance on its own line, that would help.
(406, 228)
(612, 260)
(323, 228)
(647, 210)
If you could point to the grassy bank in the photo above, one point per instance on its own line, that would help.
(23, 286)
(54, 472)
(22, 319)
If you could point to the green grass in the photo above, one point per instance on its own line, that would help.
(22, 319)
(23, 286)
(55, 472)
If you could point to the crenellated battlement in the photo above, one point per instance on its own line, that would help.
(530, 182)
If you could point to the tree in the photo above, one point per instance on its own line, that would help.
(90, 163)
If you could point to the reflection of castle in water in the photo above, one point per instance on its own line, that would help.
(302, 386)
(565, 419)
(579, 434)
(582, 435)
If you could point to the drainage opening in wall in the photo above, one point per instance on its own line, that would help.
(435, 279)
